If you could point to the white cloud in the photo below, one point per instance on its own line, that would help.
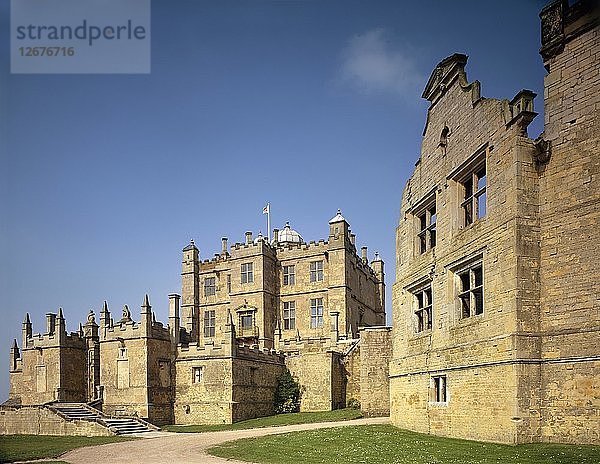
(371, 63)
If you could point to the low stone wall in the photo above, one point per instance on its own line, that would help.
(37, 420)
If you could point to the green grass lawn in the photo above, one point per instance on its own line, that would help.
(27, 447)
(383, 444)
(272, 421)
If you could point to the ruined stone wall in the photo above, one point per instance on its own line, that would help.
(464, 132)
(40, 421)
(375, 356)
(569, 217)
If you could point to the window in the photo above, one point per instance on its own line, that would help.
(316, 271)
(247, 274)
(427, 229)
(423, 309)
(228, 283)
(289, 315)
(474, 203)
(209, 323)
(246, 320)
(289, 275)
(197, 374)
(471, 290)
(209, 286)
(316, 313)
(439, 392)
(122, 353)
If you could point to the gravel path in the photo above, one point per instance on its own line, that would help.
(165, 447)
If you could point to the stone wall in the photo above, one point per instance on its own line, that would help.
(34, 420)
(375, 356)
(314, 373)
(569, 218)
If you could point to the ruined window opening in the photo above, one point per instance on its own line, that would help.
(474, 204)
(289, 315)
(197, 374)
(210, 286)
(471, 291)
(316, 271)
(247, 273)
(427, 229)
(209, 323)
(424, 299)
(289, 275)
(316, 313)
(439, 389)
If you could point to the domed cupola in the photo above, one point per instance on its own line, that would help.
(289, 235)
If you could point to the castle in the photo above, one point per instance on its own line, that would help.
(244, 316)
(496, 300)
(496, 308)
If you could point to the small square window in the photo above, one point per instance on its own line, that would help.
(197, 374)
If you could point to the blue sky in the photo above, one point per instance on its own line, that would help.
(310, 105)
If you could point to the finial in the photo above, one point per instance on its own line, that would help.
(60, 314)
(105, 307)
(376, 256)
(15, 346)
(192, 242)
(146, 301)
(339, 211)
(27, 320)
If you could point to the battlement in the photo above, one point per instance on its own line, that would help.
(55, 336)
(127, 328)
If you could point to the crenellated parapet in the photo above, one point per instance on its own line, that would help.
(127, 328)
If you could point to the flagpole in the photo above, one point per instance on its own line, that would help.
(269, 222)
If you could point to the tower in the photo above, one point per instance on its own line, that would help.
(190, 304)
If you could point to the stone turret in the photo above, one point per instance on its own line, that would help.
(190, 304)
(146, 314)
(27, 330)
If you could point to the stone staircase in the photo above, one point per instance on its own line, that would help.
(118, 426)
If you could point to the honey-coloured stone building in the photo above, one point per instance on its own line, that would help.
(496, 303)
(244, 316)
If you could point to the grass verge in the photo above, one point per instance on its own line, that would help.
(28, 447)
(385, 444)
(272, 421)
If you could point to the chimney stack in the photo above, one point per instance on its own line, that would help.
(363, 251)
(224, 245)
(248, 238)
(275, 235)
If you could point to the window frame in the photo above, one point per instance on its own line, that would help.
(289, 274)
(472, 193)
(426, 229)
(316, 271)
(471, 301)
(197, 374)
(423, 310)
(210, 289)
(247, 273)
(289, 322)
(439, 389)
(316, 313)
(209, 323)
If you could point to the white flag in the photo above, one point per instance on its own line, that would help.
(267, 209)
